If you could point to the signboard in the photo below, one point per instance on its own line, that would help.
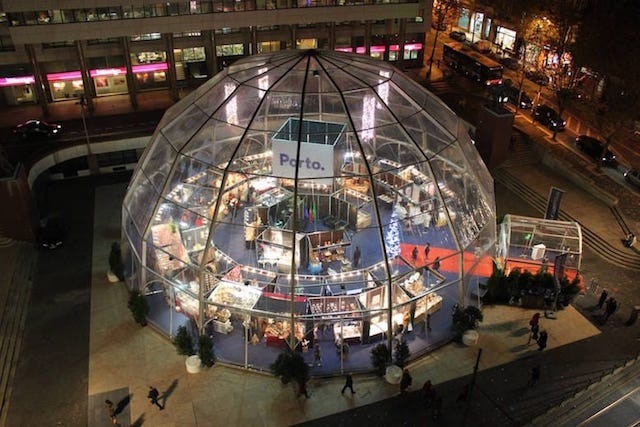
(316, 160)
(553, 203)
(315, 139)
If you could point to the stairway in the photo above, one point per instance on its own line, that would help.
(522, 152)
(13, 314)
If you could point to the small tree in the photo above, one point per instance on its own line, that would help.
(290, 365)
(205, 350)
(401, 353)
(139, 307)
(115, 261)
(380, 359)
(464, 319)
(183, 342)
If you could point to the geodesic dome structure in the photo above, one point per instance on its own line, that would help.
(311, 199)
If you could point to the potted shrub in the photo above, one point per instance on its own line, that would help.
(465, 319)
(138, 306)
(205, 351)
(116, 266)
(183, 342)
(380, 359)
(184, 346)
(290, 365)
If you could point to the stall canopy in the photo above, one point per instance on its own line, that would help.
(528, 243)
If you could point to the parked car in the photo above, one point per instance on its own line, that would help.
(633, 177)
(510, 63)
(538, 77)
(593, 148)
(548, 117)
(483, 46)
(36, 129)
(458, 36)
(512, 96)
(51, 233)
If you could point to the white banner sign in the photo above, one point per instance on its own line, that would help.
(316, 160)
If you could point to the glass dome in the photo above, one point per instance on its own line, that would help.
(312, 199)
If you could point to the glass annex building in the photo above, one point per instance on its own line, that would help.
(313, 199)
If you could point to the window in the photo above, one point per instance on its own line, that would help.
(230, 50)
(193, 54)
(187, 34)
(54, 45)
(266, 47)
(148, 36)
(103, 41)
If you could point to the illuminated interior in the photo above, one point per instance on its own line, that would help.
(290, 201)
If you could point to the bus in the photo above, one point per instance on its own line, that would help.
(472, 64)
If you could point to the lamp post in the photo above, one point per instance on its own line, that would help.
(91, 158)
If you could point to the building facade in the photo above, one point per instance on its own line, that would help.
(53, 51)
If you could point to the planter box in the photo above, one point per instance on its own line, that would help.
(470, 337)
(193, 364)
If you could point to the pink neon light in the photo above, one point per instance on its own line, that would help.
(68, 75)
(373, 49)
(344, 49)
(108, 72)
(160, 66)
(16, 81)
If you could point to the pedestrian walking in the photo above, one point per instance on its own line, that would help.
(534, 323)
(348, 384)
(111, 411)
(428, 392)
(603, 298)
(302, 389)
(414, 254)
(428, 321)
(405, 382)
(436, 264)
(464, 394)
(153, 396)
(317, 355)
(356, 256)
(535, 376)
(427, 249)
(533, 334)
(542, 340)
(633, 316)
(610, 307)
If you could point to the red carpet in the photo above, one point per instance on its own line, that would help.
(448, 260)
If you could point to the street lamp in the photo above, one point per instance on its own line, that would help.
(91, 159)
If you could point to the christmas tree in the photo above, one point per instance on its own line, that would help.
(392, 238)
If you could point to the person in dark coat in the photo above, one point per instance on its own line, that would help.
(414, 254)
(348, 384)
(153, 396)
(535, 376)
(427, 248)
(436, 264)
(111, 411)
(356, 256)
(610, 307)
(405, 382)
(542, 340)
(603, 298)
(302, 389)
